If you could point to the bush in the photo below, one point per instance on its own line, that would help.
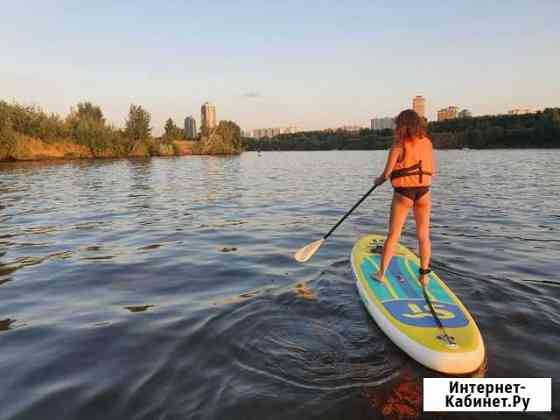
(33, 122)
(223, 140)
(7, 134)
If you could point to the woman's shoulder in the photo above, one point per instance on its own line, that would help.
(398, 144)
(426, 139)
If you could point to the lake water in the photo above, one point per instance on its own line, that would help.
(166, 288)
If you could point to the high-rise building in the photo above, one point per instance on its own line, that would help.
(260, 133)
(419, 105)
(383, 123)
(448, 113)
(208, 115)
(190, 128)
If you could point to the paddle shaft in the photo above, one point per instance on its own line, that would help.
(351, 210)
(450, 339)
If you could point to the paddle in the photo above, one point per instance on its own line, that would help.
(450, 340)
(305, 253)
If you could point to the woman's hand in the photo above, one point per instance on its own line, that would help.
(380, 180)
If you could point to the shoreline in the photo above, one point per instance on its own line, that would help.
(64, 159)
(26, 148)
(387, 148)
(29, 149)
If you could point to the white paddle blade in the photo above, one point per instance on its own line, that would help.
(307, 251)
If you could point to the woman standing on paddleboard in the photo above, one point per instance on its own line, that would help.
(410, 166)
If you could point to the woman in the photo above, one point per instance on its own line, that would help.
(410, 166)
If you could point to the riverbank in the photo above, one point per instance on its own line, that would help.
(24, 148)
(27, 133)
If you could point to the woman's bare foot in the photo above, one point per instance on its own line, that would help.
(380, 277)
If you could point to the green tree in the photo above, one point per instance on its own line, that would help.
(87, 127)
(5, 120)
(547, 128)
(172, 132)
(555, 125)
(137, 126)
(86, 110)
(476, 138)
(222, 140)
(231, 133)
(169, 126)
(92, 134)
(7, 135)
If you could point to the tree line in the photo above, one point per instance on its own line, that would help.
(535, 130)
(86, 125)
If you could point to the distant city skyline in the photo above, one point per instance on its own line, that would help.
(448, 113)
(280, 63)
(382, 123)
(260, 133)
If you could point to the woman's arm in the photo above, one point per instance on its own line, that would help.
(394, 154)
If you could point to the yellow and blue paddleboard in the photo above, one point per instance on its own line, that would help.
(400, 309)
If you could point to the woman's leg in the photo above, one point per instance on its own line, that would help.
(422, 215)
(399, 211)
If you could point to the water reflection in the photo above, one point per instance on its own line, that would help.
(403, 397)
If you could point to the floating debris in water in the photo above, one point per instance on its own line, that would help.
(93, 248)
(226, 249)
(238, 298)
(148, 247)
(304, 291)
(5, 324)
(138, 308)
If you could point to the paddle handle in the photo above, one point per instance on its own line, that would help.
(351, 210)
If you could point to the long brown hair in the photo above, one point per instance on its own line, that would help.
(409, 125)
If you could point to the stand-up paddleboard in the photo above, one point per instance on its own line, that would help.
(400, 309)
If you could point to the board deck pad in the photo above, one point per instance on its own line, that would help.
(399, 307)
(402, 295)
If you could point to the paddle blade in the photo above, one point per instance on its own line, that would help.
(305, 253)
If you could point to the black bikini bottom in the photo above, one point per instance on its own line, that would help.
(414, 193)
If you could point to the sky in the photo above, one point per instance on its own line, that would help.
(312, 64)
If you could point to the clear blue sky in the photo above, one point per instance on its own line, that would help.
(314, 64)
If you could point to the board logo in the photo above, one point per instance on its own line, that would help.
(417, 313)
